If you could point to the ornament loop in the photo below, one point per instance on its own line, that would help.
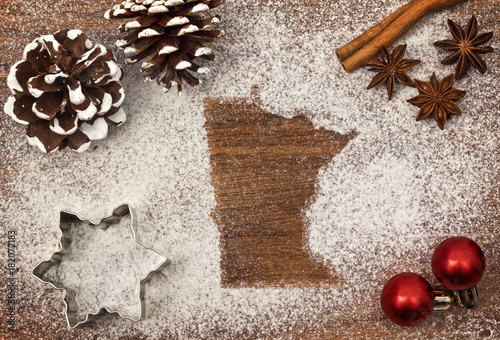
(466, 298)
(442, 300)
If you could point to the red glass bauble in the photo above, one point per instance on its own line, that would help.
(458, 263)
(407, 299)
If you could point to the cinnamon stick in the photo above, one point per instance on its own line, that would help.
(388, 31)
(351, 47)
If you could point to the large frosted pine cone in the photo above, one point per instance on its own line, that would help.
(167, 36)
(66, 91)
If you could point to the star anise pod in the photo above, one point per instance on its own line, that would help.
(391, 67)
(466, 47)
(438, 99)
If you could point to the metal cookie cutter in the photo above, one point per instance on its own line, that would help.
(67, 271)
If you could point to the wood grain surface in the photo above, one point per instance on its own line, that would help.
(21, 21)
(264, 170)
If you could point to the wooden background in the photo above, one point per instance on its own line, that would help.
(264, 170)
(23, 21)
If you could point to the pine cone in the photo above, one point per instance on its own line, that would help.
(168, 35)
(66, 91)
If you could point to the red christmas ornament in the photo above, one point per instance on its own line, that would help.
(458, 263)
(407, 299)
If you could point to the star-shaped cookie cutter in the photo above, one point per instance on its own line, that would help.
(66, 220)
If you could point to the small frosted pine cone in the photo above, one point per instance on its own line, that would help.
(167, 36)
(66, 91)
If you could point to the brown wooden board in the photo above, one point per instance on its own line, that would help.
(260, 160)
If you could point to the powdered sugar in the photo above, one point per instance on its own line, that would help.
(73, 34)
(12, 80)
(393, 193)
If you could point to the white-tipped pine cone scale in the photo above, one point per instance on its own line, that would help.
(66, 91)
(167, 36)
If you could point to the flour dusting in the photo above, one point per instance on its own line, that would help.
(382, 205)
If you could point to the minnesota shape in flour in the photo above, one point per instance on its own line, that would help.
(264, 170)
